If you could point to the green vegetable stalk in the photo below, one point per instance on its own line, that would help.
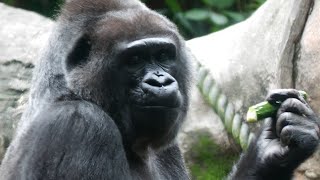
(265, 109)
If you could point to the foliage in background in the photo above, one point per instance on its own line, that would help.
(201, 17)
(47, 8)
(193, 17)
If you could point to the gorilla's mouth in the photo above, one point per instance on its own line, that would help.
(158, 101)
(164, 107)
(154, 112)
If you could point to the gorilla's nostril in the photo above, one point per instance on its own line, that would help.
(154, 82)
(168, 82)
(159, 82)
(158, 74)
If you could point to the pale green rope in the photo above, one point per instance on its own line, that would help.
(232, 120)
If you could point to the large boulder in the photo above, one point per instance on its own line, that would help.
(307, 75)
(22, 34)
(251, 57)
(306, 61)
(277, 47)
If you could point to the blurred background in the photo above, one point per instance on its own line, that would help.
(193, 17)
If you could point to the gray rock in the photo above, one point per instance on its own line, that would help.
(201, 118)
(263, 53)
(256, 55)
(22, 34)
(250, 58)
(307, 74)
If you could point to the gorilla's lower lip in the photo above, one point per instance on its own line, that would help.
(155, 107)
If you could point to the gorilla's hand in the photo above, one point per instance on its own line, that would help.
(284, 142)
(292, 136)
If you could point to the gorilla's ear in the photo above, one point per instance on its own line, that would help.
(79, 53)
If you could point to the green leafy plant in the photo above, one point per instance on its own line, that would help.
(197, 18)
(194, 18)
(45, 7)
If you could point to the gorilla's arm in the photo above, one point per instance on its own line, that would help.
(284, 142)
(72, 140)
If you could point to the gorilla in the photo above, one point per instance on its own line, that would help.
(110, 93)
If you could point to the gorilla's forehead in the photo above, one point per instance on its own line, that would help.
(131, 25)
(97, 7)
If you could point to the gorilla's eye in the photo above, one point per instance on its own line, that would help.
(165, 56)
(80, 53)
(135, 60)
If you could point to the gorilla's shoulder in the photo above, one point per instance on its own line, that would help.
(75, 108)
(73, 116)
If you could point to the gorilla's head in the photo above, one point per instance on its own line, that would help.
(134, 65)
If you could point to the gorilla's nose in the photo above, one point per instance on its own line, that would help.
(159, 83)
(161, 90)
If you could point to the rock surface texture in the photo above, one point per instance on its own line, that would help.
(277, 47)
(22, 35)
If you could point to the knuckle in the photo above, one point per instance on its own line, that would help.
(284, 116)
(283, 119)
(317, 130)
(292, 105)
(286, 130)
(291, 102)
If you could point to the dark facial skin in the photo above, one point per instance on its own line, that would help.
(148, 64)
(153, 59)
(154, 96)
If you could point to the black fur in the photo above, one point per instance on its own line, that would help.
(96, 110)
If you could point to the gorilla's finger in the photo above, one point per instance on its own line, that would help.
(280, 95)
(288, 118)
(296, 137)
(295, 106)
(268, 129)
(268, 124)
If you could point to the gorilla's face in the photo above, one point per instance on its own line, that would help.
(154, 95)
(149, 63)
(138, 76)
